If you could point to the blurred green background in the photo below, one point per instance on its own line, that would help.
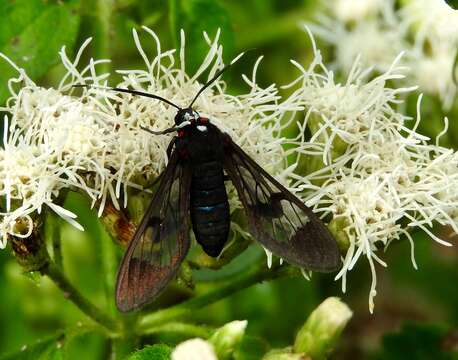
(416, 312)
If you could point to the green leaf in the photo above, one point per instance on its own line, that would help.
(417, 342)
(31, 34)
(195, 17)
(156, 352)
(49, 349)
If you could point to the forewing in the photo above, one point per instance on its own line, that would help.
(160, 243)
(279, 220)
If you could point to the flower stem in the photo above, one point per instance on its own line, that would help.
(178, 328)
(56, 241)
(241, 282)
(109, 266)
(72, 294)
(52, 231)
(120, 348)
(104, 10)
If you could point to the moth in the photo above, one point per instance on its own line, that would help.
(191, 192)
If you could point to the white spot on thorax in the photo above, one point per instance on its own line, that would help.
(201, 128)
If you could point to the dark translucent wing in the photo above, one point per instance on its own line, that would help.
(279, 220)
(160, 243)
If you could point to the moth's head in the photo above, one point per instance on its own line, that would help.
(185, 117)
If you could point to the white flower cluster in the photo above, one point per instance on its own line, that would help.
(426, 30)
(433, 19)
(95, 143)
(51, 142)
(435, 27)
(375, 170)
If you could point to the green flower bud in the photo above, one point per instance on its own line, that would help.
(322, 329)
(226, 338)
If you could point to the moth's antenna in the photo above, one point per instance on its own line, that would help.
(167, 131)
(213, 79)
(130, 91)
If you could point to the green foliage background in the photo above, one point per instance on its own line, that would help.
(34, 314)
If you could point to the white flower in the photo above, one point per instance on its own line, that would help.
(376, 40)
(432, 19)
(194, 349)
(94, 143)
(434, 72)
(375, 170)
(435, 27)
(429, 54)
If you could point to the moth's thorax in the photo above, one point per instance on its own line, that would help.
(200, 141)
(200, 124)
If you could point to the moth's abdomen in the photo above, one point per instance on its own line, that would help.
(209, 207)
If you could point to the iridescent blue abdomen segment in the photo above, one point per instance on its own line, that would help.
(209, 207)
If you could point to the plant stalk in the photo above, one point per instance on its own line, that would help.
(104, 10)
(178, 328)
(186, 308)
(71, 293)
(56, 241)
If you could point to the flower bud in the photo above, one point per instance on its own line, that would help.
(322, 329)
(226, 338)
(194, 349)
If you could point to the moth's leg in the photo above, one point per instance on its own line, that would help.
(170, 147)
(169, 153)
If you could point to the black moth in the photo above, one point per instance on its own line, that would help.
(191, 191)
